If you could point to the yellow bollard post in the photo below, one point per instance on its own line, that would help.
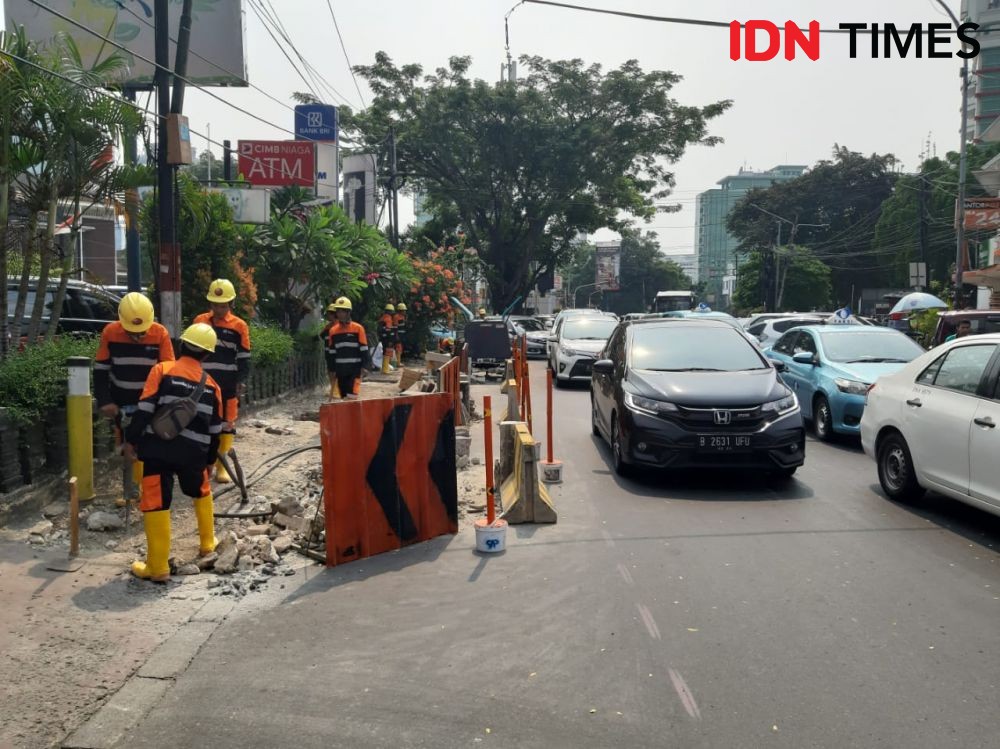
(80, 425)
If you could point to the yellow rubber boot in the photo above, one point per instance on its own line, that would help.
(225, 443)
(204, 510)
(156, 567)
(386, 366)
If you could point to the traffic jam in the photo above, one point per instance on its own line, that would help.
(698, 389)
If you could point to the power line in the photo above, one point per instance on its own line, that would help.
(329, 4)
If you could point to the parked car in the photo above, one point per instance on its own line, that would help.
(534, 332)
(981, 320)
(86, 308)
(767, 332)
(933, 424)
(567, 313)
(546, 320)
(575, 343)
(693, 393)
(831, 367)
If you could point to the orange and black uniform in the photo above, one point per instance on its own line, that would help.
(190, 454)
(387, 332)
(122, 363)
(346, 354)
(230, 364)
(400, 323)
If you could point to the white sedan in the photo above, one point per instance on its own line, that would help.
(934, 424)
(576, 344)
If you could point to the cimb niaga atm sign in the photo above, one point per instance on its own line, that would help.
(278, 163)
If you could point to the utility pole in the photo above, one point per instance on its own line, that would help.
(227, 160)
(168, 275)
(922, 226)
(133, 258)
(393, 192)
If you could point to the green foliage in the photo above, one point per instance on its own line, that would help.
(924, 323)
(269, 346)
(524, 167)
(806, 282)
(843, 196)
(33, 381)
(307, 338)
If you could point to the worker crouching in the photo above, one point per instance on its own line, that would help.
(346, 351)
(175, 432)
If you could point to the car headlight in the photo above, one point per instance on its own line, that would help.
(782, 406)
(649, 405)
(853, 387)
(570, 351)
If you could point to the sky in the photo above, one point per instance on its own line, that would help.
(784, 112)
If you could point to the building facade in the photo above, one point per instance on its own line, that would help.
(689, 264)
(715, 248)
(984, 83)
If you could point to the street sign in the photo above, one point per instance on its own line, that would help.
(278, 163)
(918, 275)
(608, 265)
(316, 122)
(982, 214)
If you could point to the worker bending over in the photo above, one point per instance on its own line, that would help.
(346, 352)
(187, 456)
(229, 365)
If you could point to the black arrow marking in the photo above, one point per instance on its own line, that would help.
(381, 474)
(442, 466)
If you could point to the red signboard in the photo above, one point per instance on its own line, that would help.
(278, 163)
(982, 214)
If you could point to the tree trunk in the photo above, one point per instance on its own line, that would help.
(35, 324)
(23, 286)
(5, 127)
(67, 268)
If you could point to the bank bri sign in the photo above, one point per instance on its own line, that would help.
(316, 122)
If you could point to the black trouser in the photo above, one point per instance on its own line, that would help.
(158, 483)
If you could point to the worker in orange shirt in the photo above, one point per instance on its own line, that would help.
(401, 331)
(346, 352)
(128, 349)
(387, 335)
(229, 366)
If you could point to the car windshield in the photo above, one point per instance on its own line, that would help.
(529, 324)
(690, 348)
(589, 328)
(863, 346)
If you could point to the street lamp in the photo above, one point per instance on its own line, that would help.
(960, 233)
(582, 286)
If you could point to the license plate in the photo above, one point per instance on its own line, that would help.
(723, 442)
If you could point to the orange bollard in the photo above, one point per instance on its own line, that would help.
(488, 439)
(527, 396)
(551, 468)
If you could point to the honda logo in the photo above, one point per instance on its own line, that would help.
(723, 417)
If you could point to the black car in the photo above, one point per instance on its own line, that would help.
(86, 308)
(687, 393)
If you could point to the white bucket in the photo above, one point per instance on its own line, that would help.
(491, 539)
(551, 472)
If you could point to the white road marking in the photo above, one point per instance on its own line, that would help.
(687, 699)
(626, 575)
(647, 619)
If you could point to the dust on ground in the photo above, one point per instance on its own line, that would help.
(70, 640)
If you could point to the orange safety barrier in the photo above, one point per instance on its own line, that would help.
(451, 380)
(488, 440)
(526, 379)
(388, 474)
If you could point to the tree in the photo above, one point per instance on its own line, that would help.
(806, 284)
(896, 241)
(841, 198)
(200, 171)
(528, 165)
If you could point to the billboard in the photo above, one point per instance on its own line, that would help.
(316, 122)
(278, 163)
(249, 206)
(982, 214)
(327, 170)
(217, 35)
(608, 263)
(359, 187)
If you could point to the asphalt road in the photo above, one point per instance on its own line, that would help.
(669, 611)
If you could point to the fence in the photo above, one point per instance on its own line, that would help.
(34, 453)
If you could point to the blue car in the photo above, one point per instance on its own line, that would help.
(831, 367)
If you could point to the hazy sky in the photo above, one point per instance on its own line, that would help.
(783, 112)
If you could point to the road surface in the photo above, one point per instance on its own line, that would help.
(692, 611)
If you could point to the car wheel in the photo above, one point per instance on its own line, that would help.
(593, 418)
(895, 470)
(557, 382)
(617, 451)
(822, 419)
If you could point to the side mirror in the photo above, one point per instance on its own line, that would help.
(604, 366)
(552, 339)
(779, 366)
(804, 357)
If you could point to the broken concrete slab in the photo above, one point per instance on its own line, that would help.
(104, 521)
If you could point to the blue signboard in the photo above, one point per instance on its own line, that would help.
(316, 122)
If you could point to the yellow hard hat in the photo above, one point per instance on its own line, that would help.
(342, 303)
(200, 335)
(389, 308)
(401, 307)
(221, 291)
(135, 312)
(482, 311)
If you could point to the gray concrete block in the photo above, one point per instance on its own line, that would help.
(119, 715)
(176, 653)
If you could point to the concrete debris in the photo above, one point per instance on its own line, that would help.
(462, 462)
(244, 563)
(280, 431)
(282, 543)
(41, 528)
(227, 554)
(55, 509)
(291, 506)
(207, 562)
(308, 416)
(104, 521)
(188, 569)
(36, 539)
(258, 530)
(258, 424)
(110, 545)
(264, 551)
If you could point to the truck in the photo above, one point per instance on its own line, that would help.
(673, 301)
